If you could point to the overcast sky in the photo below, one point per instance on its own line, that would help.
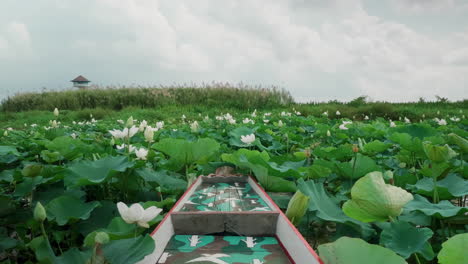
(394, 50)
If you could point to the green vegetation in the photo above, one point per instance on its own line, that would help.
(394, 192)
(116, 98)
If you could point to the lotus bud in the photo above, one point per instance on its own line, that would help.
(101, 238)
(297, 207)
(355, 148)
(328, 133)
(112, 142)
(5, 133)
(307, 152)
(129, 122)
(39, 212)
(149, 134)
(56, 112)
(31, 170)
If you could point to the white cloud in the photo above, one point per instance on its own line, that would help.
(14, 41)
(319, 50)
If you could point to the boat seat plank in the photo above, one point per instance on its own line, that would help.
(224, 250)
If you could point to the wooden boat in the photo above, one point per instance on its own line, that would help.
(226, 219)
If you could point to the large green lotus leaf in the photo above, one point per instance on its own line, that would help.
(357, 251)
(117, 229)
(407, 142)
(317, 171)
(375, 147)
(454, 250)
(163, 178)
(342, 152)
(415, 217)
(245, 158)
(373, 200)
(461, 142)
(417, 130)
(363, 166)
(4, 150)
(438, 154)
(272, 183)
(94, 172)
(68, 147)
(326, 208)
(65, 208)
(234, 158)
(74, 255)
(28, 185)
(100, 218)
(129, 250)
(183, 152)
(405, 239)
(442, 209)
(447, 188)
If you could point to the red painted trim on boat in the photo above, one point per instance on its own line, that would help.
(175, 205)
(311, 250)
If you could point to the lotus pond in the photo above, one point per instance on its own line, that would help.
(368, 191)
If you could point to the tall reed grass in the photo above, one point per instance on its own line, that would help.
(118, 97)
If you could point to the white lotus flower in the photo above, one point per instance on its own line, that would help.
(266, 121)
(267, 114)
(228, 116)
(56, 112)
(407, 120)
(73, 135)
(137, 214)
(366, 118)
(33, 125)
(132, 131)
(254, 114)
(328, 133)
(325, 113)
(143, 125)
(219, 118)
(280, 123)
(194, 126)
(159, 125)
(247, 120)
(120, 121)
(206, 118)
(117, 134)
(342, 127)
(338, 112)
(141, 153)
(442, 122)
(120, 146)
(298, 113)
(347, 122)
(149, 134)
(54, 124)
(232, 121)
(455, 119)
(392, 124)
(248, 139)
(183, 117)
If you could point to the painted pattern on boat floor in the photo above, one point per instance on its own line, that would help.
(223, 250)
(225, 197)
